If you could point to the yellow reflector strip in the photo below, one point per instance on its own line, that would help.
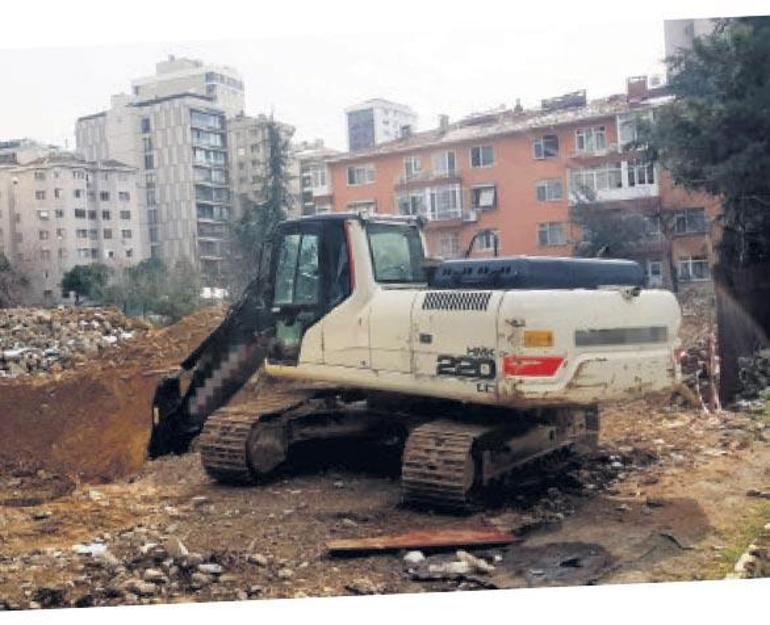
(538, 338)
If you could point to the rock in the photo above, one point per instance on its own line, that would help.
(211, 568)
(140, 587)
(477, 564)
(155, 576)
(40, 515)
(199, 501)
(364, 586)
(414, 557)
(449, 569)
(285, 573)
(258, 559)
(760, 494)
(175, 548)
(349, 523)
(199, 580)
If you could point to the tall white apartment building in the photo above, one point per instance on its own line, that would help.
(176, 76)
(178, 142)
(680, 34)
(59, 211)
(248, 145)
(378, 121)
(315, 179)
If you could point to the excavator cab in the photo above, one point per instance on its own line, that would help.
(306, 273)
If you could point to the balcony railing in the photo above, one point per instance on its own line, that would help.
(426, 176)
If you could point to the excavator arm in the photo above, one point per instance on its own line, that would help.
(217, 369)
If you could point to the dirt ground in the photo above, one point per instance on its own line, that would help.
(85, 521)
(665, 499)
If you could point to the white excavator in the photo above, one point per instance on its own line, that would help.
(478, 366)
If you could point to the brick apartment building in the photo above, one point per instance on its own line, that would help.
(517, 172)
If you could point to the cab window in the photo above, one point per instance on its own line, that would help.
(397, 254)
(297, 272)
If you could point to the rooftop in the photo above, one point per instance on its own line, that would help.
(507, 121)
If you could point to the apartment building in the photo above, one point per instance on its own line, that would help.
(249, 151)
(175, 76)
(377, 121)
(58, 211)
(315, 180)
(516, 173)
(178, 143)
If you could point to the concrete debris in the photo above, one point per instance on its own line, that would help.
(364, 586)
(39, 342)
(413, 557)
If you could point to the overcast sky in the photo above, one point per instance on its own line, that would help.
(307, 80)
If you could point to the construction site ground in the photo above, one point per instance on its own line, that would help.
(672, 494)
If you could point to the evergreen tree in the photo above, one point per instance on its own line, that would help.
(260, 216)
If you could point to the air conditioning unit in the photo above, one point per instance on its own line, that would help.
(470, 216)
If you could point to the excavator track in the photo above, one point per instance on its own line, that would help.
(438, 464)
(225, 438)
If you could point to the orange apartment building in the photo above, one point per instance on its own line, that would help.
(517, 172)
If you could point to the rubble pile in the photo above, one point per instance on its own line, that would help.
(755, 561)
(137, 566)
(754, 376)
(700, 369)
(39, 341)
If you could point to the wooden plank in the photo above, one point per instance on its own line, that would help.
(427, 540)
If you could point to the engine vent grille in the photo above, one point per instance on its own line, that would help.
(456, 300)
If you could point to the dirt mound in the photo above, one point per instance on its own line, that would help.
(93, 421)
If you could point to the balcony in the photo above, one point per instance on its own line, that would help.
(427, 177)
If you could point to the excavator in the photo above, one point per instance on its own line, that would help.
(476, 366)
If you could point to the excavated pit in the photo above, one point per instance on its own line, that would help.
(93, 422)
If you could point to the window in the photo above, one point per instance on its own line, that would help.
(109, 253)
(106, 215)
(45, 255)
(104, 196)
(484, 197)
(297, 279)
(444, 164)
(84, 252)
(487, 240)
(412, 204)
(39, 195)
(628, 127)
(129, 253)
(149, 161)
(92, 233)
(254, 148)
(145, 125)
(43, 235)
(124, 196)
(397, 253)
(412, 167)
(60, 233)
(640, 173)
(79, 174)
(449, 245)
(81, 234)
(546, 146)
(125, 214)
(693, 269)
(78, 193)
(59, 213)
(125, 234)
(652, 226)
(39, 175)
(690, 221)
(482, 156)
(362, 174)
(80, 213)
(367, 206)
(445, 202)
(43, 215)
(551, 234)
(549, 191)
(654, 273)
(92, 214)
(589, 140)
(609, 176)
(57, 193)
